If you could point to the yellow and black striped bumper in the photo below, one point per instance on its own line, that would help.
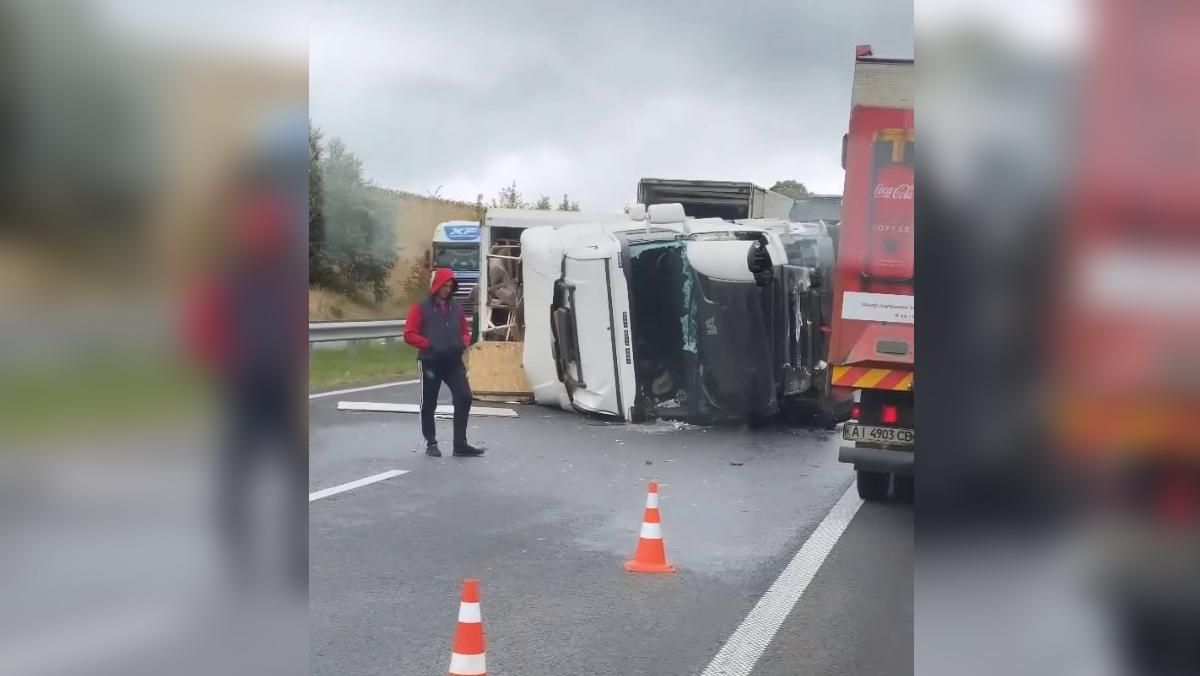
(862, 378)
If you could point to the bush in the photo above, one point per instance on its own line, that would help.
(352, 246)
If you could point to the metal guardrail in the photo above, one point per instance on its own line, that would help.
(322, 332)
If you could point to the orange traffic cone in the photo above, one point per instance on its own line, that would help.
(467, 657)
(651, 556)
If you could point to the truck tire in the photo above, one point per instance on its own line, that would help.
(902, 486)
(872, 486)
(827, 420)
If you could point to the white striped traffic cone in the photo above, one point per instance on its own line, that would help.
(651, 555)
(468, 657)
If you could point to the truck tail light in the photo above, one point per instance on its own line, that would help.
(855, 412)
(889, 415)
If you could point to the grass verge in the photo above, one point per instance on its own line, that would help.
(361, 362)
(98, 396)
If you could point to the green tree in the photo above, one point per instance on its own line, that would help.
(567, 205)
(318, 268)
(509, 198)
(792, 188)
(359, 243)
(543, 204)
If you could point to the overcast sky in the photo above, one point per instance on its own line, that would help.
(587, 97)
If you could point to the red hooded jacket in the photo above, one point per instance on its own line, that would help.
(412, 323)
(222, 323)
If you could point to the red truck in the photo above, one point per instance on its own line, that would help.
(871, 344)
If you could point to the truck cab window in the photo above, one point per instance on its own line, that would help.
(456, 257)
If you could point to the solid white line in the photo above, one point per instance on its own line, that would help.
(326, 492)
(318, 395)
(744, 648)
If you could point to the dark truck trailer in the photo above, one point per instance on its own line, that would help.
(730, 200)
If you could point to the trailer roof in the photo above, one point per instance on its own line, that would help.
(523, 218)
(694, 192)
(882, 83)
(698, 183)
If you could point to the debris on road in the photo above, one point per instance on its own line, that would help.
(442, 411)
(664, 426)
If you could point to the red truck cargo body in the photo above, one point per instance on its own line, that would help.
(872, 340)
(872, 346)
(1126, 323)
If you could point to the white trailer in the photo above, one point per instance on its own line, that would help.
(731, 200)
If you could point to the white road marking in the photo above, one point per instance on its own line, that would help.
(326, 492)
(744, 648)
(442, 411)
(318, 395)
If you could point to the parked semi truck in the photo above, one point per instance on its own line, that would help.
(871, 342)
(456, 246)
(730, 200)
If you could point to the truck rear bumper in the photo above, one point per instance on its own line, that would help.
(878, 459)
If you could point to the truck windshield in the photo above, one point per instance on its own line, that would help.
(456, 257)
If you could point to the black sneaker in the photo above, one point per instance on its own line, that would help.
(464, 450)
(432, 450)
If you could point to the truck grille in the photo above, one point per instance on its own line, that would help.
(465, 294)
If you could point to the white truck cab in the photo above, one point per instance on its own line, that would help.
(456, 246)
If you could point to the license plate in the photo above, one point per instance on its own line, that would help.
(879, 435)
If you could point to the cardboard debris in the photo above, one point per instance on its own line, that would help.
(443, 411)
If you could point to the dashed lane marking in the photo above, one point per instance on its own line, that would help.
(326, 492)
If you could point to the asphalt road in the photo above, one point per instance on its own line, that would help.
(546, 518)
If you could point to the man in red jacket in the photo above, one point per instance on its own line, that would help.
(437, 326)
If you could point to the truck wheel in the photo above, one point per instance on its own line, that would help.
(903, 488)
(827, 420)
(872, 486)
(833, 413)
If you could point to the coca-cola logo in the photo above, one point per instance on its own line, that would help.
(903, 191)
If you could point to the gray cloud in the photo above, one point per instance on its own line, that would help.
(586, 98)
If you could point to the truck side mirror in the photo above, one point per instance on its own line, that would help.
(845, 144)
(428, 258)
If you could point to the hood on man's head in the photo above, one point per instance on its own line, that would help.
(442, 277)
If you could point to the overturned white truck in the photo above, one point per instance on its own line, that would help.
(663, 316)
